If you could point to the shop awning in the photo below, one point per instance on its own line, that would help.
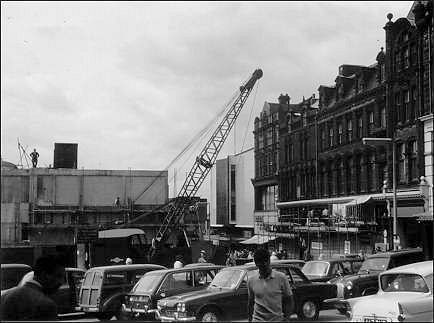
(119, 233)
(258, 239)
(354, 199)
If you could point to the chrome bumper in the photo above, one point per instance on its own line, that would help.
(175, 318)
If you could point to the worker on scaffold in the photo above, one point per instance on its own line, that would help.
(34, 155)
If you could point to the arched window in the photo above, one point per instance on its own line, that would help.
(371, 124)
(340, 134)
(370, 172)
(342, 182)
(406, 106)
(360, 127)
(331, 134)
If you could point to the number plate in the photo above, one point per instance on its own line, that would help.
(374, 319)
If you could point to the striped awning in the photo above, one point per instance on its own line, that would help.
(258, 239)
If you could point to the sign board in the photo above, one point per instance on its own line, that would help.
(86, 235)
(347, 247)
(316, 245)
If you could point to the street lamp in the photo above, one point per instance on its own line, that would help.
(381, 142)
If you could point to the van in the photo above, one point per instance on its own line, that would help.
(104, 288)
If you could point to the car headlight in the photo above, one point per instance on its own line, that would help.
(349, 285)
(158, 307)
(180, 307)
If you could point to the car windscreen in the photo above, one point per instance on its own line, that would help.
(403, 283)
(148, 282)
(227, 278)
(374, 265)
(317, 268)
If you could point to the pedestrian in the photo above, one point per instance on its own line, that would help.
(178, 262)
(230, 261)
(269, 293)
(34, 155)
(202, 256)
(128, 261)
(31, 301)
(273, 256)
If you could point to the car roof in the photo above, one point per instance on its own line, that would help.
(74, 269)
(126, 267)
(199, 264)
(423, 268)
(334, 260)
(7, 266)
(395, 252)
(280, 261)
(174, 270)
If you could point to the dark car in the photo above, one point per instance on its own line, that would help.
(324, 270)
(11, 274)
(104, 288)
(365, 282)
(226, 297)
(141, 302)
(66, 297)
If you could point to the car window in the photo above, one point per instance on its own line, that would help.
(356, 266)
(203, 277)
(374, 264)
(428, 280)
(297, 275)
(403, 283)
(317, 268)
(115, 278)
(97, 279)
(175, 281)
(88, 278)
(135, 275)
(346, 267)
(148, 282)
(335, 269)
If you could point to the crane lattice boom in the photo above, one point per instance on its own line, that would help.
(206, 158)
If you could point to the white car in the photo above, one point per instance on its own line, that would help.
(405, 294)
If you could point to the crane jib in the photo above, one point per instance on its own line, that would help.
(206, 159)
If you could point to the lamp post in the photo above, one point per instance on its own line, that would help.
(380, 142)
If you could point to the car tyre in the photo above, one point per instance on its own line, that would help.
(309, 310)
(209, 316)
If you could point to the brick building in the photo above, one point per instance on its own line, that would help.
(335, 192)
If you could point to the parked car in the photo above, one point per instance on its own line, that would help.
(365, 282)
(226, 296)
(11, 274)
(405, 294)
(324, 270)
(66, 297)
(141, 302)
(104, 288)
(295, 262)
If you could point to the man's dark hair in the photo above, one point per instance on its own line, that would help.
(261, 255)
(48, 264)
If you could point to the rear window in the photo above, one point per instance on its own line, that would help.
(115, 278)
(88, 278)
(97, 279)
(374, 265)
(403, 283)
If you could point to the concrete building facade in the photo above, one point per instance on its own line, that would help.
(50, 209)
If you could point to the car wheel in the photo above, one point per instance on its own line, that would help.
(209, 316)
(309, 310)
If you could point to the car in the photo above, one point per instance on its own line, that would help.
(66, 297)
(226, 296)
(141, 302)
(405, 294)
(199, 264)
(104, 288)
(295, 262)
(11, 274)
(365, 282)
(324, 270)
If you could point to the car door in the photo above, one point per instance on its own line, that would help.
(234, 304)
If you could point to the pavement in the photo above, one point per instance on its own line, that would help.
(324, 316)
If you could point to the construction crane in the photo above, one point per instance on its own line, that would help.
(203, 164)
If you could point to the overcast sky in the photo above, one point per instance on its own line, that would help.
(133, 82)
